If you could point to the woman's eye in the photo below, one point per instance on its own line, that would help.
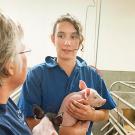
(74, 36)
(60, 36)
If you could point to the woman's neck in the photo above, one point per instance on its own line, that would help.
(67, 65)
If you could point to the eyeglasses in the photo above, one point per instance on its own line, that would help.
(25, 51)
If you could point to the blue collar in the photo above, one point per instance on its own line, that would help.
(51, 62)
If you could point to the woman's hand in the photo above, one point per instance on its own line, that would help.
(81, 110)
(80, 128)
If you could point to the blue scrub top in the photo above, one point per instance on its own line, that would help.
(47, 84)
(12, 120)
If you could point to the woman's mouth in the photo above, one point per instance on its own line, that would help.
(67, 50)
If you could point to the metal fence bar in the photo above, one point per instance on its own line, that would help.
(116, 127)
(118, 124)
(112, 120)
(126, 83)
(125, 119)
(123, 101)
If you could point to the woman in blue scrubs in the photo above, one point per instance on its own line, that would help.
(49, 82)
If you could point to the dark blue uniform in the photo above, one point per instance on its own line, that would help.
(47, 84)
(12, 120)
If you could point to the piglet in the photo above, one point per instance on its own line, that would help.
(94, 99)
(45, 127)
(49, 123)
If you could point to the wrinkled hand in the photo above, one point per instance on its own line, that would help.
(45, 127)
(80, 110)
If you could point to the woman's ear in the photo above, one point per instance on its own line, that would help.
(53, 38)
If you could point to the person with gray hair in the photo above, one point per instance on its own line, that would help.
(13, 66)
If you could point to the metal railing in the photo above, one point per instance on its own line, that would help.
(115, 125)
(125, 83)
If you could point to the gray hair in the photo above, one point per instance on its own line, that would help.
(10, 33)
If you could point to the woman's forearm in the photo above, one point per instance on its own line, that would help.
(80, 128)
(100, 115)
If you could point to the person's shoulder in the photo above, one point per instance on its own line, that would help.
(83, 64)
(4, 130)
(42, 68)
(96, 70)
(47, 63)
(4, 127)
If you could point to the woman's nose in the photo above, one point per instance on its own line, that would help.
(67, 42)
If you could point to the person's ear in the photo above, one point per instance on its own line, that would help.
(52, 38)
(10, 67)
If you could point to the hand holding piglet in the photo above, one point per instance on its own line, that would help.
(80, 105)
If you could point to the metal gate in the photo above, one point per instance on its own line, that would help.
(122, 118)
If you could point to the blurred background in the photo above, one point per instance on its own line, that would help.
(108, 27)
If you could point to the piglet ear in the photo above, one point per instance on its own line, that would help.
(38, 112)
(86, 93)
(82, 85)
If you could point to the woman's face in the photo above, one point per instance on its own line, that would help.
(66, 41)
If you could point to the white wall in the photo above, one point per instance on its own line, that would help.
(116, 37)
(37, 18)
